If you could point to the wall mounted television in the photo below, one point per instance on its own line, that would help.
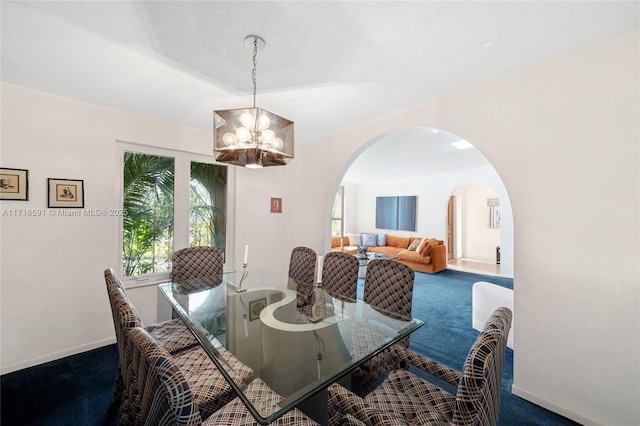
(397, 213)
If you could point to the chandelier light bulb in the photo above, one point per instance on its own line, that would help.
(247, 120)
(263, 122)
(268, 136)
(277, 143)
(243, 134)
(229, 139)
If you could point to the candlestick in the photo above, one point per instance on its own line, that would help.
(320, 262)
(242, 278)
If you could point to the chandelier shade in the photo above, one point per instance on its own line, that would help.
(252, 137)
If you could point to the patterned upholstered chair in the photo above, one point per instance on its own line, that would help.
(302, 267)
(167, 399)
(173, 334)
(389, 286)
(405, 398)
(210, 389)
(197, 267)
(340, 275)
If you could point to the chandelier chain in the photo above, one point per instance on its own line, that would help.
(255, 71)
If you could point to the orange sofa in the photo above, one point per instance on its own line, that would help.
(429, 256)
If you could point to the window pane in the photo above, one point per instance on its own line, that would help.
(147, 241)
(337, 212)
(208, 205)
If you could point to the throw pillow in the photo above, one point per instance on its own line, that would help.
(414, 244)
(381, 240)
(427, 248)
(369, 240)
(354, 239)
(423, 243)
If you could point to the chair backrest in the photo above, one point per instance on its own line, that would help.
(162, 390)
(340, 275)
(302, 265)
(388, 285)
(125, 316)
(478, 395)
(197, 267)
(112, 281)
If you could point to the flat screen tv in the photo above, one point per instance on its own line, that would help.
(397, 213)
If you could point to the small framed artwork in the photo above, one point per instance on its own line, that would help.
(14, 184)
(66, 193)
(276, 205)
(255, 307)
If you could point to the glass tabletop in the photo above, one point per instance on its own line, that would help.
(261, 334)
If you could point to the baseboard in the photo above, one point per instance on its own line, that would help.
(563, 411)
(5, 369)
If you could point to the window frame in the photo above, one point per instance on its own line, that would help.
(181, 206)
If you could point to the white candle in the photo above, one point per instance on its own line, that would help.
(320, 261)
(246, 254)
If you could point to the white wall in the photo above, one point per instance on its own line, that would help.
(563, 136)
(479, 240)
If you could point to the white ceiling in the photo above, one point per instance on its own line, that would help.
(326, 66)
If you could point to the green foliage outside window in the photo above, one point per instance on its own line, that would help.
(148, 224)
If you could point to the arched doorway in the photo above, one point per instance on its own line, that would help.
(426, 162)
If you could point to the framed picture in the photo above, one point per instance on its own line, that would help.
(14, 184)
(255, 307)
(276, 205)
(66, 193)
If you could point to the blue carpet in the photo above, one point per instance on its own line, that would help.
(443, 302)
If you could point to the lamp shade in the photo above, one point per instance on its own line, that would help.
(252, 137)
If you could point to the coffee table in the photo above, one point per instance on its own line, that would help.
(364, 261)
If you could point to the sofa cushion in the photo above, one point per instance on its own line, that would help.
(414, 244)
(369, 240)
(354, 239)
(412, 256)
(335, 241)
(381, 240)
(399, 242)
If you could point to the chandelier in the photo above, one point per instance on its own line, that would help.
(252, 137)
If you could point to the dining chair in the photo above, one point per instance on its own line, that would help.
(407, 398)
(167, 399)
(340, 275)
(172, 334)
(302, 267)
(388, 286)
(211, 390)
(197, 267)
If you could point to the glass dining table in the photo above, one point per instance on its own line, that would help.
(297, 351)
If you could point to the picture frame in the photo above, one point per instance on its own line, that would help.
(276, 205)
(255, 307)
(65, 193)
(14, 184)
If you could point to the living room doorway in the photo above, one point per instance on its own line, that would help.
(473, 230)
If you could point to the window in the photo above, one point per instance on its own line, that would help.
(171, 200)
(337, 213)
(147, 230)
